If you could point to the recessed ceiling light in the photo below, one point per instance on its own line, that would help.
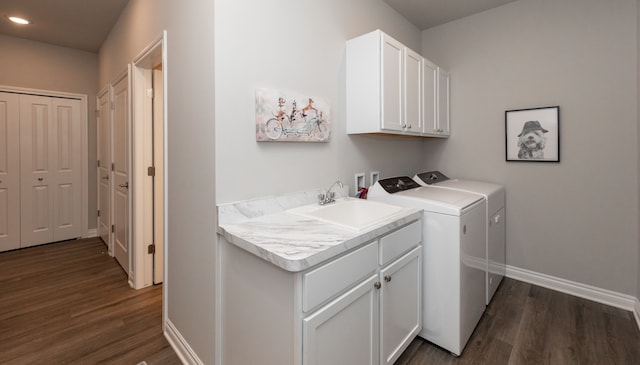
(18, 20)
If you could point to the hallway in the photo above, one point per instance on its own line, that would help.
(69, 302)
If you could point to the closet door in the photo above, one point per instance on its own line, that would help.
(67, 191)
(9, 171)
(36, 167)
(50, 169)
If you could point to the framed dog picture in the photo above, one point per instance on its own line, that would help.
(533, 135)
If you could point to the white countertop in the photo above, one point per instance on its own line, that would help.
(293, 242)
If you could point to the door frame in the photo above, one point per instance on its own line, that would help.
(84, 137)
(142, 186)
(99, 203)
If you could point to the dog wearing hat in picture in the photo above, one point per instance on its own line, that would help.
(531, 141)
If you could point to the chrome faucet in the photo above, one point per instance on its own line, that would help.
(329, 196)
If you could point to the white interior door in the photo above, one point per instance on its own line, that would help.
(67, 191)
(158, 185)
(36, 166)
(9, 171)
(121, 172)
(104, 167)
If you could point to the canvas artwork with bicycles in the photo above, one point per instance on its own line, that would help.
(282, 116)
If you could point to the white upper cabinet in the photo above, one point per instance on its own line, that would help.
(412, 91)
(443, 125)
(391, 89)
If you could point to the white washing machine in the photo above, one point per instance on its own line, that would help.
(496, 221)
(453, 280)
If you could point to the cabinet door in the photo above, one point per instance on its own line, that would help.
(443, 122)
(345, 331)
(392, 52)
(401, 308)
(412, 91)
(429, 99)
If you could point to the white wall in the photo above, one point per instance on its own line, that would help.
(578, 219)
(36, 65)
(297, 46)
(191, 200)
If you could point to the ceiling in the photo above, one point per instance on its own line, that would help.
(80, 24)
(84, 24)
(430, 13)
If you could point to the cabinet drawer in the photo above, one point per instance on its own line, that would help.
(332, 278)
(395, 244)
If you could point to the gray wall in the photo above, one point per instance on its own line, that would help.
(299, 47)
(578, 219)
(42, 66)
(191, 201)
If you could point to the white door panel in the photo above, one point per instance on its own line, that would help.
(121, 171)
(158, 184)
(67, 196)
(36, 220)
(9, 172)
(104, 168)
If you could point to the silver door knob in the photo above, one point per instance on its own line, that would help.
(125, 185)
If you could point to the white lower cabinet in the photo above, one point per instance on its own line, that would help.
(344, 331)
(363, 307)
(400, 308)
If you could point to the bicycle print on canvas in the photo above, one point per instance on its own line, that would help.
(282, 116)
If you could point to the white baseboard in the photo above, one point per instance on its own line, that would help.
(92, 233)
(636, 312)
(180, 346)
(604, 296)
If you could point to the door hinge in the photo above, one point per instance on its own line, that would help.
(98, 163)
(113, 166)
(113, 228)
(150, 93)
(98, 212)
(151, 249)
(151, 171)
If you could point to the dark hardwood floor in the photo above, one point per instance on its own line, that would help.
(70, 303)
(527, 324)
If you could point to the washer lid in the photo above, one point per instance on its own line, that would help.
(430, 177)
(445, 201)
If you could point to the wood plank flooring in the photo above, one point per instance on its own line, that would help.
(70, 303)
(527, 324)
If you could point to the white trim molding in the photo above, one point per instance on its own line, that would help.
(604, 296)
(180, 345)
(636, 312)
(91, 232)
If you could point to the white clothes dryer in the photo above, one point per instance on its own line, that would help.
(496, 240)
(453, 280)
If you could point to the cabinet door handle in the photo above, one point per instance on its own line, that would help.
(387, 278)
(125, 185)
(377, 285)
(40, 179)
(409, 126)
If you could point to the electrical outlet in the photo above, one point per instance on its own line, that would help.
(374, 177)
(359, 182)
